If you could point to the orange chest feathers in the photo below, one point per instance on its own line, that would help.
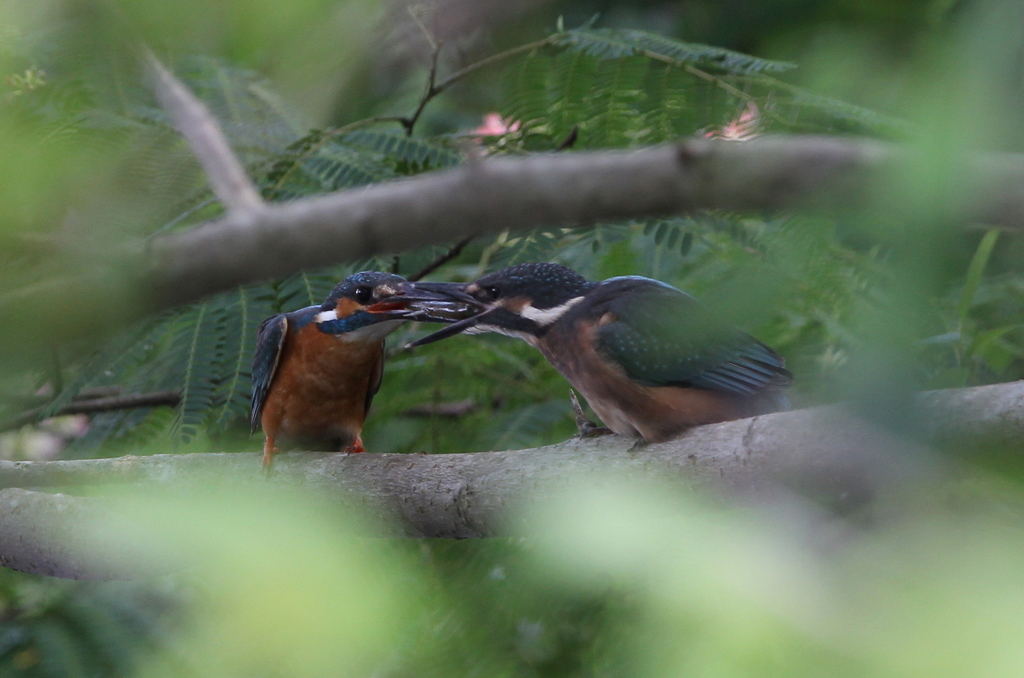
(323, 380)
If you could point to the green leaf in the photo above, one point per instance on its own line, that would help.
(608, 43)
(975, 271)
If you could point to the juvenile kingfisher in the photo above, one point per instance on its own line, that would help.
(651, 360)
(315, 371)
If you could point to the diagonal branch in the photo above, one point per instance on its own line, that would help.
(194, 121)
(440, 261)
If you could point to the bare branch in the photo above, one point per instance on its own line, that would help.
(553, 190)
(455, 250)
(429, 93)
(192, 119)
(496, 194)
(451, 410)
(94, 405)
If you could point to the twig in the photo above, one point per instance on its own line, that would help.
(570, 140)
(584, 427)
(434, 88)
(493, 59)
(450, 410)
(441, 260)
(429, 93)
(194, 121)
(95, 405)
(408, 122)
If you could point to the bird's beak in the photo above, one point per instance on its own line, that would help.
(450, 331)
(436, 302)
(450, 291)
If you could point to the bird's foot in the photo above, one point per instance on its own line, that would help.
(267, 466)
(584, 427)
(592, 430)
(637, 445)
(355, 448)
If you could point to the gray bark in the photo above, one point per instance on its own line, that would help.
(827, 452)
(550, 190)
(194, 121)
(490, 196)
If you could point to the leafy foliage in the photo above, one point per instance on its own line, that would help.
(611, 586)
(66, 629)
(614, 44)
(616, 88)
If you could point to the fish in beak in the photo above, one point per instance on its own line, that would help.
(428, 302)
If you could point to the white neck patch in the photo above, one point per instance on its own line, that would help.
(545, 317)
(324, 316)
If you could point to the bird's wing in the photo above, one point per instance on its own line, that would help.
(663, 337)
(376, 376)
(269, 346)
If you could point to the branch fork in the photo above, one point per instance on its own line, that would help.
(193, 120)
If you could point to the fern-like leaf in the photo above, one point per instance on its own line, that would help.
(608, 43)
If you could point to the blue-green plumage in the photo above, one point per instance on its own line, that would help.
(270, 340)
(650, 359)
(664, 337)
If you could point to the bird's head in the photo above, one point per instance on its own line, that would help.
(521, 301)
(373, 304)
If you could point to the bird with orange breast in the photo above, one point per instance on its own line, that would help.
(316, 370)
(651, 360)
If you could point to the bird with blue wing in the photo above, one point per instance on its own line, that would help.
(651, 360)
(316, 370)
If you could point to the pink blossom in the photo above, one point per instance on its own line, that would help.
(746, 126)
(494, 125)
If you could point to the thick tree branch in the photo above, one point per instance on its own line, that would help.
(824, 451)
(194, 121)
(497, 194)
(552, 190)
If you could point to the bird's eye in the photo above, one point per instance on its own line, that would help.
(363, 294)
(492, 292)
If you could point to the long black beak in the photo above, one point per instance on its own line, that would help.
(431, 302)
(450, 331)
(453, 291)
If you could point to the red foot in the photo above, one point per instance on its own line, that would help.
(355, 447)
(269, 450)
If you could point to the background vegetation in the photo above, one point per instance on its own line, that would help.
(616, 580)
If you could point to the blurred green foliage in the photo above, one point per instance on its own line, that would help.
(613, 579)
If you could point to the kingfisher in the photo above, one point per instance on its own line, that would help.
(316, 370)
(651, 360)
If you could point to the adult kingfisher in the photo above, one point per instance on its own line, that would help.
(651, 360)
(316, 370)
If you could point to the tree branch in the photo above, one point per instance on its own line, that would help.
(827, 452)
(553, 190)
(94, 405)
(431, 90)
(506, 193)
(455, 251)
(195, 122)
(449, 410)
